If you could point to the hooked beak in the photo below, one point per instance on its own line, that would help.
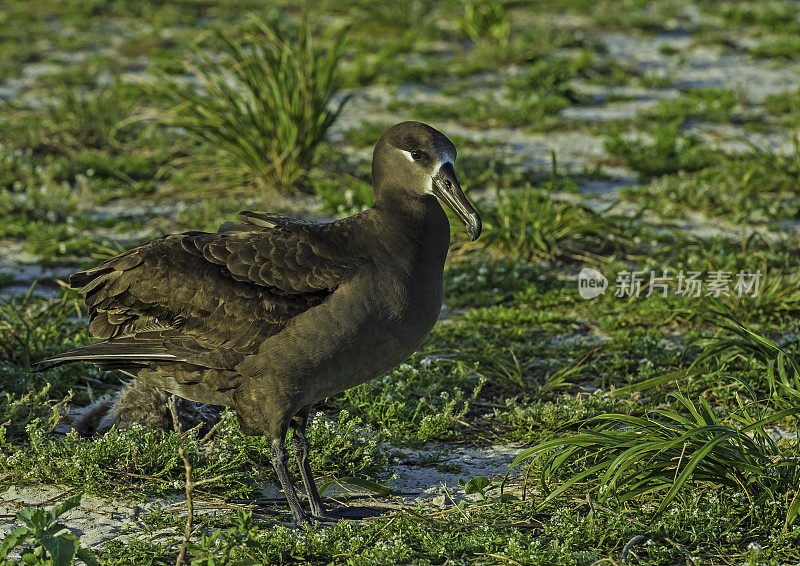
(448, 189)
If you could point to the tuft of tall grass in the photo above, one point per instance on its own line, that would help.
(267, 100)
(785, 106)
(76, 120)
(485, 21)
(528, 223)
(778, 297)
(735, 340)
(626, 457)
(33, 328)
(669, 152)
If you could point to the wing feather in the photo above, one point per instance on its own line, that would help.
(210, 298)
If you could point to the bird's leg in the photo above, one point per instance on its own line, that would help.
(301, 448)
(279, 457)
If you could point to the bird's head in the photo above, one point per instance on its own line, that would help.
(418, 159)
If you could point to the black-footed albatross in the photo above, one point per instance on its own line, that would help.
(274, 314)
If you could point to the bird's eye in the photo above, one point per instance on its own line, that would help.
(416, 155)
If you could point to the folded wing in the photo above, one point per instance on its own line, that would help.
(209, 299)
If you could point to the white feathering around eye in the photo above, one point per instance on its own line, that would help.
(445, 158)
(407, 154)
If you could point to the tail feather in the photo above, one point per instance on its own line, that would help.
(116, 353)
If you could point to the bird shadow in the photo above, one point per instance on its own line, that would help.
(356, 512)
(274, 506)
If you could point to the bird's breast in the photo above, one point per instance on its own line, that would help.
(366, 327)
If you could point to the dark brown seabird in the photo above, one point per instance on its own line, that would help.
(274, 314)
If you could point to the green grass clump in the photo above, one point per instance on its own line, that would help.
(576, 533)
(123, 462)
(778, 299)
(413, 404)
(544, 88)
(669, 152)
(485, 21)
(785, 106)
(629, 14)
(482, 281)
(768, 15)
(733, 343)
(60, 241)
(137, 461)
(481, 172)
(533, 421)
(783, 47)
(668, 451)
(758, 185)
(366, 134)
(707, 104)
(267, 102)
(530, 224)
(34, 328)
(355, 196)
(667, 49)
(531, 98)
(38, 199)
(46, 215)
(77, 120)
(32, 409)
(16, 167)
(340, 447)
(55, 547)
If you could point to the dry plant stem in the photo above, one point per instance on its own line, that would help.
(189, 485)
(682, 550)
(525, 482)
(591, 507)
(214, 429)
(189, 506)
(386, 526)
(594, 505)
(455, 505)
(503, 558)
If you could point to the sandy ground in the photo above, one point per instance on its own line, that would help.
(99, 520)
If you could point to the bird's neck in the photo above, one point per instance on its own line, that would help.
(417, 220)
